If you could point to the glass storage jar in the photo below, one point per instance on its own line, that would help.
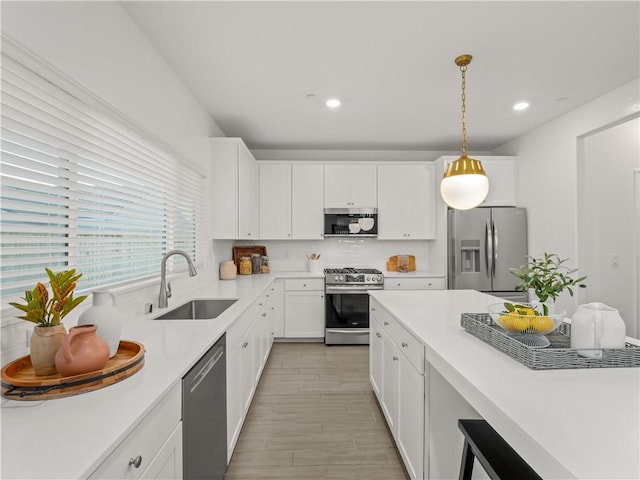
(245, 266)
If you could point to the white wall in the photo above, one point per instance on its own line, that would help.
(98, 46)
(547, 172)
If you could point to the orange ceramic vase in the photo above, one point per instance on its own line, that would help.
(82, 351)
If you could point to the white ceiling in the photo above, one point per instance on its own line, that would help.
(251, 65)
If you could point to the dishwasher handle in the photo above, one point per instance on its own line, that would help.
(204, 371)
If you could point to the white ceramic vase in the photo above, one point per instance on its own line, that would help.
(595, 326)
(106, 317)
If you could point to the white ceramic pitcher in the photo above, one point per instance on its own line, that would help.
(596, 326)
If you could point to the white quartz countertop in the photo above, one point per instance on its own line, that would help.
(578, 423)
(414, 274)
(67, 438)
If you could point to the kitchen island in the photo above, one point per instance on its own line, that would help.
(582, 423)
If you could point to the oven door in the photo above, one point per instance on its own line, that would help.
(346, 316)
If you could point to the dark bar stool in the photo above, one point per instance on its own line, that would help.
(499, 460)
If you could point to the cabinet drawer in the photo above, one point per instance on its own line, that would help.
(424, 283)
(406, 343)
(144, 441)
(304, 284)
(410, 347)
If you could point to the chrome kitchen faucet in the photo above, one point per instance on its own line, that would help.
(165, 288)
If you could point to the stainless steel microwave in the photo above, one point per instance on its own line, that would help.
(342, 222)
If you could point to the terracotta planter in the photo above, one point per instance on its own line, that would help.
(82, 351)
(45, 342)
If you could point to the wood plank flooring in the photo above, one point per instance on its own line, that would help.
(315, 416)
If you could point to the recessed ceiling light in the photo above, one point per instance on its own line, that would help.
(521, 106)
(333, 103)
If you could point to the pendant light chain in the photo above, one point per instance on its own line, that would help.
(463, 69)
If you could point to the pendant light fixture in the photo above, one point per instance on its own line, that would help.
(465, 184)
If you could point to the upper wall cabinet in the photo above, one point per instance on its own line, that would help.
(406, 202)
(234, 184)
(275, 201)
(501, 171)
(307, 202)
(350, 186)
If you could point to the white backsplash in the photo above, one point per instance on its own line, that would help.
(288, 255)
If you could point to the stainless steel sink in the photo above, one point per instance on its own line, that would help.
(200, 309)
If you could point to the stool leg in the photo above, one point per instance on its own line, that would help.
(466, 466)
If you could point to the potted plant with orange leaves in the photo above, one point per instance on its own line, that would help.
(47, 311)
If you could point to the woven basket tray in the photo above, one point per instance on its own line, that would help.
(558, 355)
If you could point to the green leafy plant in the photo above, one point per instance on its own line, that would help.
(48, 310)
(547, 276)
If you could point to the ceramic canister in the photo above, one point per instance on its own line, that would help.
(104, 315)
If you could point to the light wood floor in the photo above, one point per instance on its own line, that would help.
(314, 416)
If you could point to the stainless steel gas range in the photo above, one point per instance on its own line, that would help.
(347, 304)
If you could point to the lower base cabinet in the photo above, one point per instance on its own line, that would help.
(398, 379)
(304, 308)
(249, 342)
(153, 450)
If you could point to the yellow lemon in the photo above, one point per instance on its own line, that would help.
(521, 323)
(542, 324)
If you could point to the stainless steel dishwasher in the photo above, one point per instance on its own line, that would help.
(204, 416)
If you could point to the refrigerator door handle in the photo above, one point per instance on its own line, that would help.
(494, 235)
(488, 249)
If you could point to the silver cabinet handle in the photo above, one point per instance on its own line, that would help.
(136, 462)
(264, 314)
(405, 344)
(378, 335)
(395, 359)
(245, 344)
(373, 309)
(386, 324)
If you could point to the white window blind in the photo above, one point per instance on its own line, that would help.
(82, 190)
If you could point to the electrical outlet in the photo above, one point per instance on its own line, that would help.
(615, 260)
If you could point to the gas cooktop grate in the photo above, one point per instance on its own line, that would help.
(349, 270)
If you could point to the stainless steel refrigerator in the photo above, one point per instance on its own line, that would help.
(483, 244)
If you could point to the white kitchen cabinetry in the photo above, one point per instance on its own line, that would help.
(304, 308)
(277, 307)
(414, 283)
(234, 195)
(307, 202)
(501, 171)
(153, 449)
(249, 342)
(406, 202)
(275, 201)
(350, 186)
(397, 370)
(375, 355)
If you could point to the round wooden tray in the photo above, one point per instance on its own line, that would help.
(19, 381)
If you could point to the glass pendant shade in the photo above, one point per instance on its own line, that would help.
(465, 184)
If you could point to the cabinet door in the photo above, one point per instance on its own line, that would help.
(275, 200)
(336, 186)
(391, 202)
(363, 187)
(248, 194)
(234, 397)
(419, 202)
(389, 388)
(223, 186)
(375, 357)
(304, 314)
(167, 464)
(307, 202)
(277, 306)
(410, 417)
